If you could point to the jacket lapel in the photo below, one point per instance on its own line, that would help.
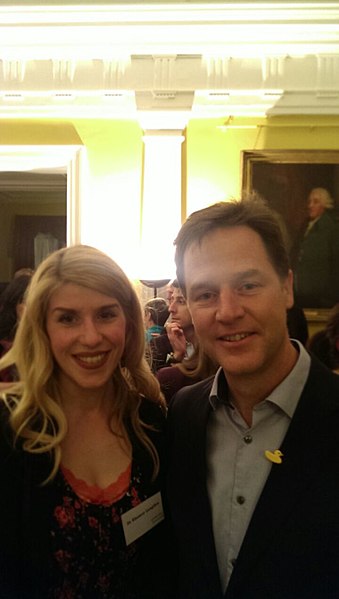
(308, 442)
(189, 472)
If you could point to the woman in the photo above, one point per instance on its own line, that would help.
(81, 441)
(187, 372)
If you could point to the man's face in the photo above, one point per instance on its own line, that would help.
(179, 310)
(315, 205)
(237, 301)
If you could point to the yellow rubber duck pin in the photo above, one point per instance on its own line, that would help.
(274, 456)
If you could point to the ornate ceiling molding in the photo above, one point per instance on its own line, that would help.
(200, 59)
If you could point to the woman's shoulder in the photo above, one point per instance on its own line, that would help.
(152, 413)
(8, 447)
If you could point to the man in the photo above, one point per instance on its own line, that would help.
(177, 343)
(317, 269)
(253, 482)
(180, 329)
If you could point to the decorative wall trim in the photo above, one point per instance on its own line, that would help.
(115, 61)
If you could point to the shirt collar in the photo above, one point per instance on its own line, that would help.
(286, 395)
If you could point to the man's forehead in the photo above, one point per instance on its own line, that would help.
(177, 292)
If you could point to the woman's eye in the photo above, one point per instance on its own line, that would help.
(107, 314)
(66, 318)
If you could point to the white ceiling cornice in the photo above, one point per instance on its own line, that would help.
(239, 28)
(209, 59)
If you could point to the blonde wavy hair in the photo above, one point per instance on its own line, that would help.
(36, 414)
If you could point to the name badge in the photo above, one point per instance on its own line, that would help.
(142, 518)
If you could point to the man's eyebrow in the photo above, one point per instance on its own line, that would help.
(249, 272)
(209, 284)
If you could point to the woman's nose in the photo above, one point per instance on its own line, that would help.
(90, 334)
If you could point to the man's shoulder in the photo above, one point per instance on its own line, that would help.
(327, 221)
(192, 395)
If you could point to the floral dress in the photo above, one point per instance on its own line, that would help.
(90, 556)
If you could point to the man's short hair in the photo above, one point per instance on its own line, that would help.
(252, 213)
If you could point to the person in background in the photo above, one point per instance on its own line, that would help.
(177, 343)
(180, 328)
(12, 305)
(155, 315)
(187, 372)
(253, 489)
(297, 324)
(169, 290)
(81, 441)
(332, 330)
(25, 270)
(319, 345)
(317, 268)
(325, 343)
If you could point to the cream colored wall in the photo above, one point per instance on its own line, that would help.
(110, 214)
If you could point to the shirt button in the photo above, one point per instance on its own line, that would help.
(233, 562)
(248, 439)
(240, 499)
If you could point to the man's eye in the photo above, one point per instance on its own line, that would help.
(249, 286)
(204, 297)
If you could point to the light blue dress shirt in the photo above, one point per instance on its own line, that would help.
(236, 463)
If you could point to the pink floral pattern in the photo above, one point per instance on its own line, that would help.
(90, 555)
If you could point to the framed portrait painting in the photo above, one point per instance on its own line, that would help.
(290, 181)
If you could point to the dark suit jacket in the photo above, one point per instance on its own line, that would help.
(291, 548)
(317, 268)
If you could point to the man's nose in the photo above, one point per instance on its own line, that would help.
(229, 305)
(172, 307)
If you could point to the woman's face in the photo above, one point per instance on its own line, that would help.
(87, 331)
